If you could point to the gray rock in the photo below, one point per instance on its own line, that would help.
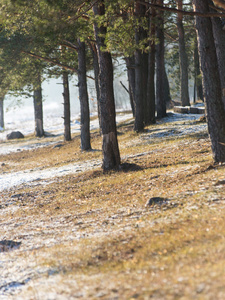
(15, 135)
(156, 200)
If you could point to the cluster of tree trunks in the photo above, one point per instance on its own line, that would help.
(141, 76)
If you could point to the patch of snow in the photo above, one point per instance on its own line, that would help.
(38, 176)
(9, 180)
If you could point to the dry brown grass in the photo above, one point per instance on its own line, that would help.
(90, 236)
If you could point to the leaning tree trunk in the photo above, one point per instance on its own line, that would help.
(185, 101)
(38, 109)
(160, 78)
(66, 98)
(83, 96)
(2, 112)
(212, 84)
(111, 154)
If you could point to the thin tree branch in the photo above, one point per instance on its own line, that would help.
(174, 10)
(84, 12)
(124, 87)
(73, 46)
(220, 3)
(56, 63)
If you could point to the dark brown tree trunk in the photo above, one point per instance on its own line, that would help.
(211, 79)
(96, 73)
(183, 57)
(111, 154)
(219, 38)
(150, 110)
(66, 103)
(83, 96)
(2, 112)
(140, 72)
(38, 109)
(130, 63)
(160, 78)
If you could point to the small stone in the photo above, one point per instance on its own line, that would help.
(155, 200)
(15, 135)
(200, 288)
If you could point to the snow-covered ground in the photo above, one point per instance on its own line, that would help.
(175, 125)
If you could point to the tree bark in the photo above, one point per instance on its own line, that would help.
(111, 154)
(2, 112)
(38, 109)
(83, 96)
(185, 100)
(66, 98)
(211, 79)
(160, 78)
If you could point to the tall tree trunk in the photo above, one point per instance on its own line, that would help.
(160, 78)
(38, 109)
(66, 98)
(212, 83)
(111, 154)
(140, 81)
(219, 38)
(198, 76)
(185, 100)
(2, 112)
(96, 73)
(83, 96)
(150, 110)
(139, 112)
(130, 63)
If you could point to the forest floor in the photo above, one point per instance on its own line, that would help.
(87, 234)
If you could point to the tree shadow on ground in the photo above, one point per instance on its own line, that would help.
(129, 167)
